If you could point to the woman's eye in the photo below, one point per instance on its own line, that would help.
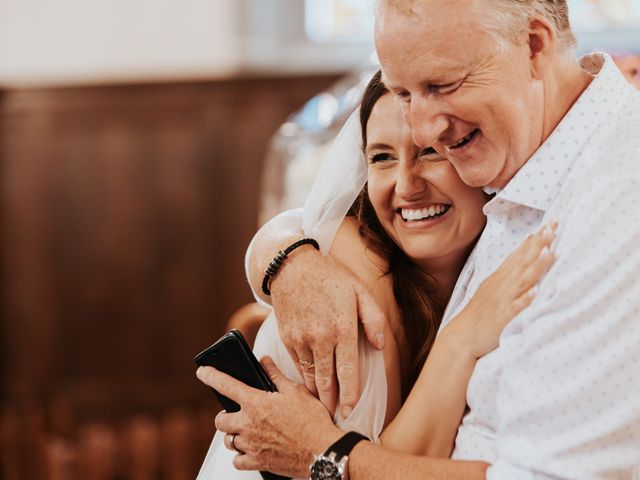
(404, 97)
(380, 157)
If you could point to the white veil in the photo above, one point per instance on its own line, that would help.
(340, 180)
(337, 185)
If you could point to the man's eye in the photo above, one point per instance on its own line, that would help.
(430, 155)
(445, 87)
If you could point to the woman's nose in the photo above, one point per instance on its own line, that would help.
(409, 184)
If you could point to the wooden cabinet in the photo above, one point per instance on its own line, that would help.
(125, 212)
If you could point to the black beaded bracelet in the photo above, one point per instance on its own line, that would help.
(279, 259)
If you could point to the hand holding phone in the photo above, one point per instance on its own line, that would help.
(232, 355)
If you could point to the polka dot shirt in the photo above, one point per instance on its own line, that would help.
(560, 397)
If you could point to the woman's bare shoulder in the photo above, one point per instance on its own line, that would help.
(350, 248)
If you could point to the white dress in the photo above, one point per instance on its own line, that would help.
(341, 178)
(367, 416)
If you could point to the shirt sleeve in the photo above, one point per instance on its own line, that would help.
(569, 393)
(291, 219)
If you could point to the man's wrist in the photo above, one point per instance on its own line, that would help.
(288, 271)
(335, 450)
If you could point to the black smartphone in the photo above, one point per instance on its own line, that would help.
(232, 355)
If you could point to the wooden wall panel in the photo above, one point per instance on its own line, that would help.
(124, 215)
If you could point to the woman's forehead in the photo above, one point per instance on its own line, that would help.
(386, 123)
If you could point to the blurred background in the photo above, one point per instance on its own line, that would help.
(142, 142)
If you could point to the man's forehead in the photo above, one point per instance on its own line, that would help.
(426, 47)
(440, 18)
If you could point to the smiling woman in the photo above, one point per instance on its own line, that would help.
(421, 202)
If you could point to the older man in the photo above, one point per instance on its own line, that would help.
(493, 86)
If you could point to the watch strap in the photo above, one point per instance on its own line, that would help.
(345, 444)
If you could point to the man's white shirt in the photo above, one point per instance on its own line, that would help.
(560, 397)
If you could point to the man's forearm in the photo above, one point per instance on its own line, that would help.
(368, 461)
(275, 235)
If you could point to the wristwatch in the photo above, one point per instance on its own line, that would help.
(334, 463)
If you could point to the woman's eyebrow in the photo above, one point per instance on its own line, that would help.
(377, 146)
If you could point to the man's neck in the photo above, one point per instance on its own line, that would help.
(562, 90)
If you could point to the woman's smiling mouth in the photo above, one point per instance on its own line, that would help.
(426, 213)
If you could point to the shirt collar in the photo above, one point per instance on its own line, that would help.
(554, 158)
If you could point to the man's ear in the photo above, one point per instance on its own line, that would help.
(543, 46)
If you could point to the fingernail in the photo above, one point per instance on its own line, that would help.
(533, 291)
(544, 252)
(547, 233)
(346, 411)
(199, 371)
(380, 341)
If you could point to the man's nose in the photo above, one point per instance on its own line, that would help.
(409, 183)
(427, 121)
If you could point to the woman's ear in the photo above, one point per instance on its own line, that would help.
(543, 46)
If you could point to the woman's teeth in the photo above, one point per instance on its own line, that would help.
(463, 141)
(411, 215)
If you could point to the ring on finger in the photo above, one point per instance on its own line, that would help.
(232, 443)
(306, 365)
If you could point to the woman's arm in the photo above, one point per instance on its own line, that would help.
(428, 421)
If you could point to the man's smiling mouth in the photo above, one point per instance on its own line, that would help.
(465, 140)
(427, 213)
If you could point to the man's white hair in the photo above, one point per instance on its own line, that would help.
(508, 18)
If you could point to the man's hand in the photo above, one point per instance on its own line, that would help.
(318, 302)
(277, 432)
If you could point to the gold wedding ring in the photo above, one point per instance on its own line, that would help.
(306, 365)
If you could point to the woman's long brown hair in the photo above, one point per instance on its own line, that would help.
(421, 309)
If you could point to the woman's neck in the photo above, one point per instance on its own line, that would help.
(446, 270)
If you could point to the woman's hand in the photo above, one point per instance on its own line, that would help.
(503, 295)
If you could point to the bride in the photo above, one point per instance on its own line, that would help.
(410, 226)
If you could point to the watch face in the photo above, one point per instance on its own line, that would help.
(325, 469)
